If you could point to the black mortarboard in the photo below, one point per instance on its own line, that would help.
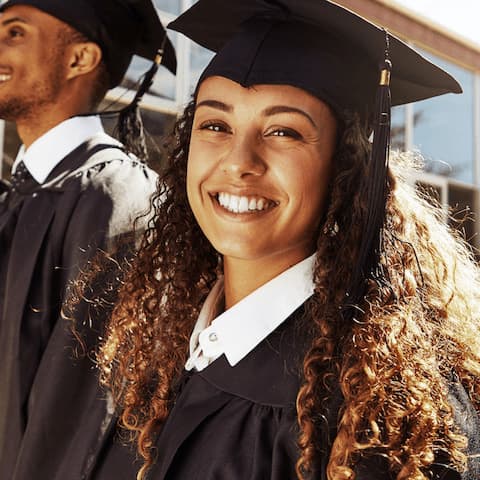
(122, 28)
(315, 45)
(332, 53)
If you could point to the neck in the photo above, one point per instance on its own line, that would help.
(242, 277)
(37, 123)
(29, 131)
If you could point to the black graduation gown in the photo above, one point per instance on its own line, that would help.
(239, 423)
(54, 419)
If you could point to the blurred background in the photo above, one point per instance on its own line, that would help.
(446, 130)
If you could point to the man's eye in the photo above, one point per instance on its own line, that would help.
(15, 32)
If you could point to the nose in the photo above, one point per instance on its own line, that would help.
(243, 158)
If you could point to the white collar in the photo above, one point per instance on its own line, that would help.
(238, 330)
(47, 151)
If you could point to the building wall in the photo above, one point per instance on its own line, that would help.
(445, 130)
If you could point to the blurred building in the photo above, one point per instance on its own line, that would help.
(446, 130)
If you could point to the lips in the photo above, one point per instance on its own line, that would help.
(244, 204)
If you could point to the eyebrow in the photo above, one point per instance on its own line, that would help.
(276, 109)
(215, 104)
(13, 20)
(268, 112)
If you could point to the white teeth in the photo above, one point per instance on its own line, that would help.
(236, 204)
(243, 204)
(4, 77)
(233, 203)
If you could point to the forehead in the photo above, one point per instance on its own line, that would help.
(31, 16)
(233, 94)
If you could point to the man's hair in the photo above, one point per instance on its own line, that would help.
(68, 35)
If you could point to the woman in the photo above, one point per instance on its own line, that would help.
(294, 311)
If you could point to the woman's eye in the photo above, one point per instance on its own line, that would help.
(284, 132)
(214, 127)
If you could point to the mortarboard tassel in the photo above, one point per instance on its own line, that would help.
(368, 262)
(129, 127)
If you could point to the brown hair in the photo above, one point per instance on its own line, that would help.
(391, 360)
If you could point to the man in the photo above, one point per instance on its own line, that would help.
(74, 190)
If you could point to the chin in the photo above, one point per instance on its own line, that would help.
(11, 109)
(239, 252)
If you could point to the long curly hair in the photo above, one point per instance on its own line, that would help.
(390, 359)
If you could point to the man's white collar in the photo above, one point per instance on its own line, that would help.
(238, 330)
(45, 153)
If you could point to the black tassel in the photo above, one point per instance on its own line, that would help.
(368, 262)
(129, 129)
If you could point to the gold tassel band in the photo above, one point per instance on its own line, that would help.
(385, 77)
(158, 57)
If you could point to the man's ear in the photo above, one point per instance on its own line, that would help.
(83, 58)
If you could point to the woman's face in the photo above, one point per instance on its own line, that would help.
(258, 168)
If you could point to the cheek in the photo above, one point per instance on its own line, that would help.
(197, 175)
(321, 183)
(313, 190)
(309, 185)
(202, 163)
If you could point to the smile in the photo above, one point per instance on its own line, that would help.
(4, 77)
(243, 204)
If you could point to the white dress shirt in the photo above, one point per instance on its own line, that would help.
(47, 151)
(238, 330)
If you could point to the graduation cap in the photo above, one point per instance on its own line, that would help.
(332, 53)
(121, 28)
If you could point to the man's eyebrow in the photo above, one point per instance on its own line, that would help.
(215, 104)
(13, 20)
(276, 109)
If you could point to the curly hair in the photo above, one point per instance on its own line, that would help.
(391, 358)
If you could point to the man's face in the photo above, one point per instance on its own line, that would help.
(32, 62)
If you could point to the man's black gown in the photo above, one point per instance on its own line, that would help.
(54, 419)
(239, 423)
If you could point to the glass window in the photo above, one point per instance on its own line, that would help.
(170, 6)
(443, 128)
(157, 126)
(164, 82)
(462, 203)
(199, 58)
(398, 128)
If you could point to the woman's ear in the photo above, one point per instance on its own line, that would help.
(84, 58)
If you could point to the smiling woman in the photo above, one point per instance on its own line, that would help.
(259, 163)
(296, 309)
